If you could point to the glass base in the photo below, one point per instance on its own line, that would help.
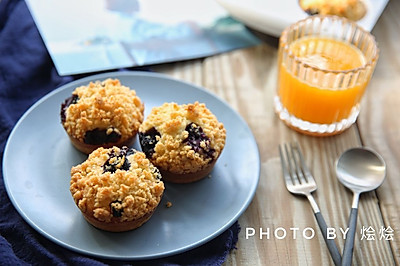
(315, 129)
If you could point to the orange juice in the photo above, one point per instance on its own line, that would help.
(307, 95)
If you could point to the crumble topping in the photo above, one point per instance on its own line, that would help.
(183, 138)
(133, 190)
(105, 105)
(351, 9)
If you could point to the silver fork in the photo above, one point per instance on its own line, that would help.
(299, 180)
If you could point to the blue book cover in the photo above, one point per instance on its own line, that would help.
(97, 35)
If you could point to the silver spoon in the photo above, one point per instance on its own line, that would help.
(360, 170)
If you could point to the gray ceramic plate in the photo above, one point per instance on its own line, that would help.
(38, 158)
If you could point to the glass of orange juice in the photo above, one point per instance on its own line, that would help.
(325, 64)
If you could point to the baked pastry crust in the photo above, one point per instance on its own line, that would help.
(189, 177)
(116, 189)
(180, 158)
(114, 226)
(351, 9)
(105, 106)
(88, 148)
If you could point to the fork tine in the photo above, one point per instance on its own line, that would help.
(298, 162)
(292, 169)
(285, 168)
(306, 171)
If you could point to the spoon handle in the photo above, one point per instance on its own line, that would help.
(349, 244)
(337, 259)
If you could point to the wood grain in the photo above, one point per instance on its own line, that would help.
(379, 119)
(246, 79)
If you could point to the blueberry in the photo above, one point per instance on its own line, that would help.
(100, 136)
(116, 208)
(196, 137)
(73, 99)
(118, 161)
(312, 11)
(157, 172)
(127, 151)
(148, 141)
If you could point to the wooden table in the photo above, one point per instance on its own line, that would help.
(246, 79)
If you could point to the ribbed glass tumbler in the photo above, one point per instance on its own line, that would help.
(325, 64)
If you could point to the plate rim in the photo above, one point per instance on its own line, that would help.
(116, 74)
(264, 20)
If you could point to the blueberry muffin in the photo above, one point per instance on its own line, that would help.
(351, 9)
(102, 114)
(183, 141)
(116, 189)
